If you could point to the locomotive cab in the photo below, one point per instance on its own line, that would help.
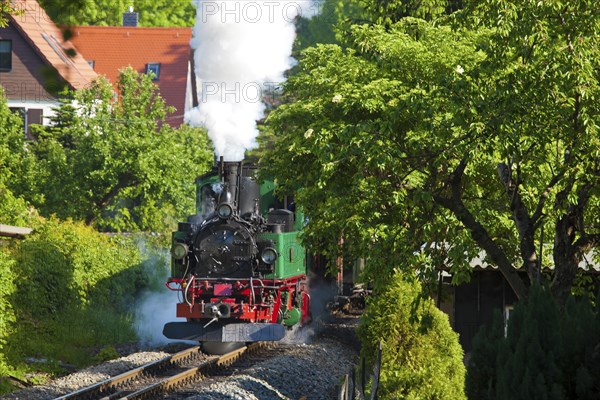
(237, 265)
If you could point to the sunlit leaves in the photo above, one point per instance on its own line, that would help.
(110, 13)
(391, 116)
(115, 162)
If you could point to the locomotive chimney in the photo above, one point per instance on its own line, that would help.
(231, 173)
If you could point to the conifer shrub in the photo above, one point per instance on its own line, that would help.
(549, 352)
(421, 357)
(481, 374)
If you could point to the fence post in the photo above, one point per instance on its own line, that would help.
(359, 391)
(343, 393)
(376, 372)
(351, 384)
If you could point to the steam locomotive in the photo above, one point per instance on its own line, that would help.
(238, 265)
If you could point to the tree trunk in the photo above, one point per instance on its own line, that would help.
(565, 259)
(479, 233)
(125, 180)
(484, 240)
(523, 221)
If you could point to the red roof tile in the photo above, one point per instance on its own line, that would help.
(114, 48)
(47, 39)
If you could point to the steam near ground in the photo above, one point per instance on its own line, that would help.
(154, 309)
(242, 50)
(321, 293)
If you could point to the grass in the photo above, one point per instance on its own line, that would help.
(40, 350)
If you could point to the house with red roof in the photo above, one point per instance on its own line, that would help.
(36, 63)
(165, 52)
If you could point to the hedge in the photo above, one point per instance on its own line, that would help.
(421, 357)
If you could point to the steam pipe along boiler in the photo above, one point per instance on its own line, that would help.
(237, 264)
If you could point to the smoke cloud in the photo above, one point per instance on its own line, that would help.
(242, 49)
(321, 294)
(154, 310)
(155, 306)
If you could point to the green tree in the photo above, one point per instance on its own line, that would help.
(109, 13)
(481, 373)
(7, 8)
(548, 352)
(433, 142)
(7, 314)
(322, 27)
(13, 166)
(114, 162)
(421, 356)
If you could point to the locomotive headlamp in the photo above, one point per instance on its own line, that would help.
(224, 211)
(268, 255)
(179, 250)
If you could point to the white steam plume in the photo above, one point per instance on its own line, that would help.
(155, 306)
(154, 310)
(242, 47)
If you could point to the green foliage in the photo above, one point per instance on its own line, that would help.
(7, 315)
(115, 162)
(549, 352)
(450, 138)
(13, 166)
(390, 11)
(345, 140)
(323, 27)
(481, 372)
(109, 13)
(7, 8)
(13, 210)
(66, 264)
(421, 357)
(66, 290)
(106, 353)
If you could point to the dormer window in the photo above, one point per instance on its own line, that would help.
(5, 55)
(155, 69)
(91, 63)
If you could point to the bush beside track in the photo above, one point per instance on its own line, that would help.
(67, 291)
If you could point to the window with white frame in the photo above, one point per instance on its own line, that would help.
(153, 68)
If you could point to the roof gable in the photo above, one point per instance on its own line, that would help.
(47, 40)
(114, 48)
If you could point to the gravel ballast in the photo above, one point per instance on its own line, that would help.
(306, 367)
(86, 377)
(308, 371)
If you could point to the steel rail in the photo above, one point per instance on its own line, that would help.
(114, 381)
(191, 374)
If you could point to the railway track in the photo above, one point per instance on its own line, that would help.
(162, 376)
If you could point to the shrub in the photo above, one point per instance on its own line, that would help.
(13, 210)
(548, 352)
(65, 264)
(76, 290)
(481, 376)
(106, 353)
(7, 287)
(421, 358)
